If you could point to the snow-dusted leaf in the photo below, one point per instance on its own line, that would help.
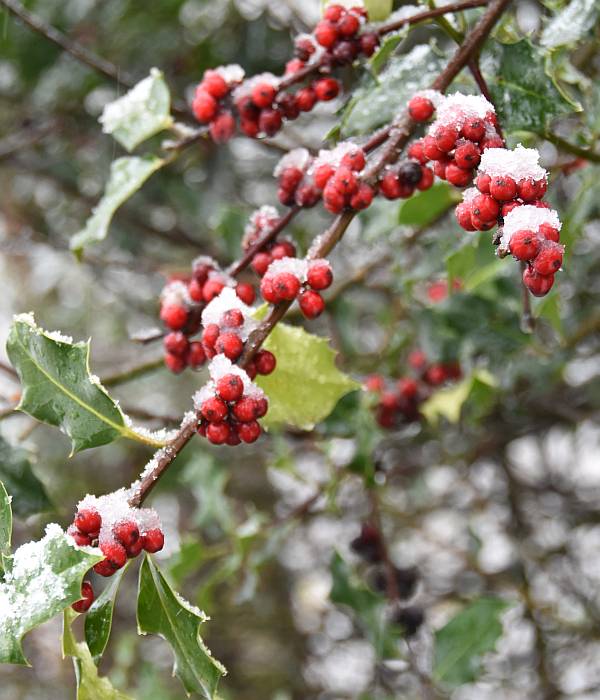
(526, 100)
(377, 103)
(5, 526)
(571, 23)
(306, 385)
(90, 686)
(45, 578)
(57, 387)
(98, 619)
(139, 114)
(28, 492)
(160, 610)
(461, 643)
(127, 175)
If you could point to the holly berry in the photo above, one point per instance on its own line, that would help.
(88, 521)
(445, 138)
(270, 121)
(265, 363)
(81, 539)
(263, 94)
(230, 345)
(326, 33)
(486, 207)
(204, 106)
(176, 343)
(503, 188)
(319, 275)
(524, 244)
(326, 89)
(249, 432)
(306, 98)
(420, 108)
(175, 363)
(467, 155)
(538, 285)
(457, 176)
(126, 532)
(217, 433)
(286, 285)
(549, 259)
(369, 41)
(153, 540)
(549, 232)
(87, 598)
(214, 410)
(222, 127)
(363, 197)
(196, 356)
(311, 303)
(245, 292)
(246, 409)
(230, 387)
(215, 84)
(473, 129)
(174, 316)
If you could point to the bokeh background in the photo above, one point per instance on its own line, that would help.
(505, 501)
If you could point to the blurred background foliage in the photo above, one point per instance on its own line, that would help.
(497, 494)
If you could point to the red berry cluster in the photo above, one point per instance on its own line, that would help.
(230, 405)
(400, 404)
(401, 180)
(261, 221)
(338, 34)
(456, 140)
(182, 301)
(123, 533)
(291, 278)
(212, 100)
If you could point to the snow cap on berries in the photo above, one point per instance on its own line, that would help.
(434, 96)
(175, 292)
(232, 74)
(296, 158)
(218, 368)
(528, 218)
(296, 266)
(334, 156)
(247, 86)
(456, 109)
(225, 301)
(520, 163)
(469, 194)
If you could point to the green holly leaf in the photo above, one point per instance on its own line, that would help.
(98, 620)
(386, 49)
(160, 610)
(377, 103)
(16, 472)
(45, 578)
(57, 387)
(448, 403)
(306, 385)
(5, 526)
(425, 207)
(90, 686)
(570, 24)
(461, 643)
(127, 175)
(139, 114)
(525, 96)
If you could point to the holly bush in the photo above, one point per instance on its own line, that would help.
(385, 490)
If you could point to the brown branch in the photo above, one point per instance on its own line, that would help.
(430, 14)
(399, 134)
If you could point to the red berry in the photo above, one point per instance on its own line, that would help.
(463, 216)
(283, 249)
(154, 540)
(524, 244)
(87, 598)
(348, 25)
(196, 356)
(319, 274)
(214, 83)
(230, 387)
(135, 549)
(436, 375)
(326, 89)
(549, 259)
(417, 359)
(262, 406)
(260, 263)
(527, 190)
(503, 188)
(87, 520)
(306, 99)
(176, 343)
(81, 539)
(389, 400)
(549, 232)
(355, 160)
(481, 224)
(268, 292)
(390, 185)
(214, 410)
(457, 176)
(426, 180)
(483, 183)
(195, 289)
(364, 196)
(344, 52)
(294, 66)
(265, 362)
(115, 554)
(270, 121)
(230, 345)
(474, 130)
(174, 316)
(369, 41)
(175, 363)
(204, 106)
(345, 181)
(249, 432)
(304, 47)
(233, 438)
(333, 12)
(407, 387)
(251, 370)
(467, 155)
(333, 200)
(311, 303)
(486, 207)
(222, 127)
(210, 334)
(263, 94)
(445, 138)
(245, 292)
(492, 142)
(508, 207)
(439, 167)
(286, 285)
(288, 106)
(212, 289)
(420, 108)
(126, 532)
(374, 383)
(233, 318)
(540, 187)
(246, 409)
(326, 34)
(250, 127)
(322, 174)
(431, 150)
(538, 285)
(307, 196)
(217, 433)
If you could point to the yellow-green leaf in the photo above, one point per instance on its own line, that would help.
(306, 385)
(448, 403)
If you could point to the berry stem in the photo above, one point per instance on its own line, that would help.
(429, 14)
(527, 318)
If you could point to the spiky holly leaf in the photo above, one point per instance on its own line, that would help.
(98, 619)
(127, 175)
(571, 23)
(140, 113)
(44, 579)
(90, 686)
(525, 96)
(5, 526)
(16, 472)
(461, 643)
(306, 385)
(160, 610)
(57, 387)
